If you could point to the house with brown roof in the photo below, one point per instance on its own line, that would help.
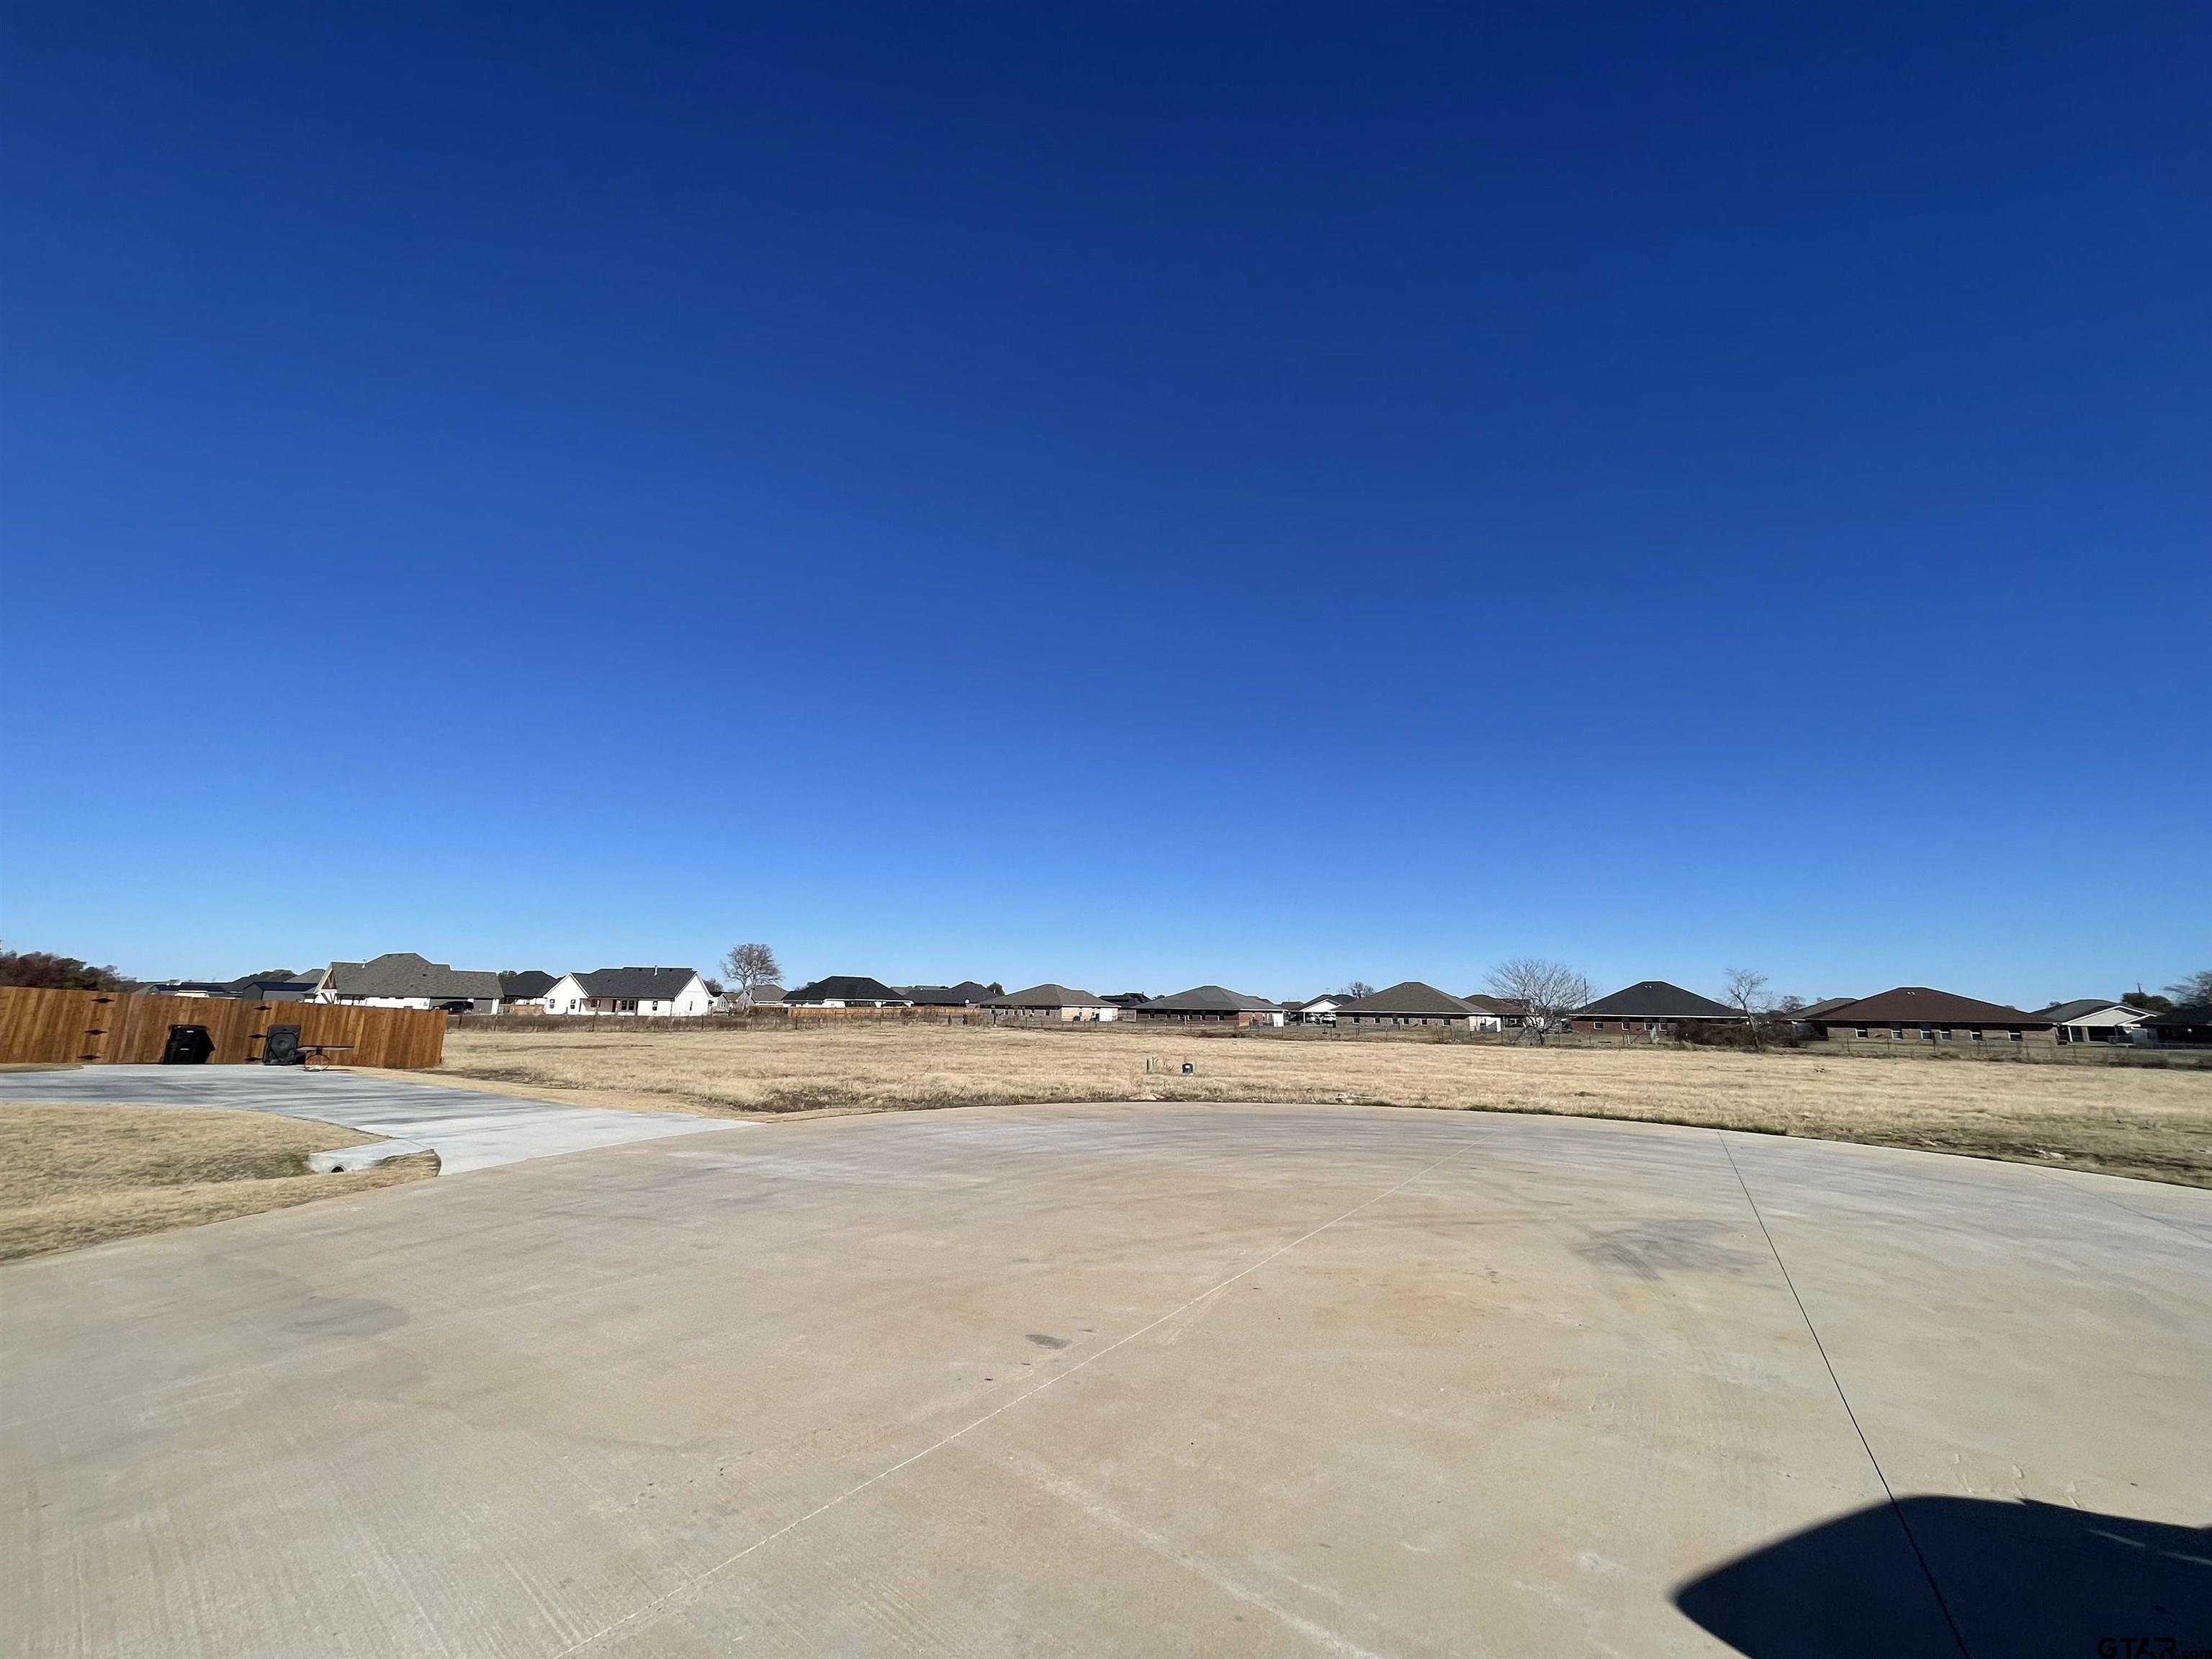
(1408, 1005)
(1050, 1004)
(1917, 1017)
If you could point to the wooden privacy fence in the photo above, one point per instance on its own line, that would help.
(129, 1029)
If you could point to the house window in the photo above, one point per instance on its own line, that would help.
(1926, 1035)
(1974, 1033)
(2014, 1033)
(1624, 1026)
(1944, 1031)
(1862, 1031)
(1897, 1033)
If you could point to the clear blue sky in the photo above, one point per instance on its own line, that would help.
(1129, 494)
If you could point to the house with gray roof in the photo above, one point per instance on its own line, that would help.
(2095, 1019)
(524, 988)
(1650, 1008)
(966, 994)
(2186, 1027)
(1208, 1005)
(633, 992)
(845, 991)
(400, 979)
(1409, 1004)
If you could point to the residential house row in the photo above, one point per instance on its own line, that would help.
(1647, 1011)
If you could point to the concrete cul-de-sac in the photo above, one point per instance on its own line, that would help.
(1124, 1378)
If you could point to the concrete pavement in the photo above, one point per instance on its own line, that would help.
(468, 1129)
(1129, 1379)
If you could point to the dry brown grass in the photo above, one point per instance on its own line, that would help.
(77, 1175)
(2121, 1120)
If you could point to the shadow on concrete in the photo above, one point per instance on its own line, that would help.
(2016, 1578)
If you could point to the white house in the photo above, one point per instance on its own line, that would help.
(1496, 1013)
(400, 979)
(2092, 1019)
(646, 992)
(1320, 1011)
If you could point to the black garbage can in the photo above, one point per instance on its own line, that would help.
(188, 1045)
(280, 1046)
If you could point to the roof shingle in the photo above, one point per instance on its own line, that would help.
(1408, 997)
(644, 984)
(1211, 999)
(1655, 999)
(1917, 1004)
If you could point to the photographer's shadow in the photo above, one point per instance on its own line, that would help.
(2016, 1579)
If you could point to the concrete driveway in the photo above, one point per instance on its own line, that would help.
(467, 1129)
(1158, 1379)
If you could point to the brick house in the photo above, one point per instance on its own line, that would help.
(1408, 1005)
(1648, 1010)
(1050, 1004)
(1208, 1005)
(1919, 1016)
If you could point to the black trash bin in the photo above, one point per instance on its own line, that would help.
(188, 1045)
(280, 1046)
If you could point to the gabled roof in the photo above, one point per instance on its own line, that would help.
(1489, 1005)
(1211, 999)
(1655, 999)
(1048, 996)
(761, 996)
(1328, 1001)
(1824, 1007)
(521, 985)
(1409, 997)
(404, 974)
(966, 994)
(652, 984)
(1127, 999)
(1917, 1004)
(2059, 1013)
(845, 988)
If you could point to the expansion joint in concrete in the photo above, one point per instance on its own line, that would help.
(1813, 1331)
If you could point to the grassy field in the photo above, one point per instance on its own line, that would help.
(2120, 1121)
(75, 1175)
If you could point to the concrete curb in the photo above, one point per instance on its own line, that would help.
(361, 1158)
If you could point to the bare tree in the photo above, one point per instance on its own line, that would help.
(1746, 994)
(1359, 987)
(1550, 992)
(2188, 992)
(750, 967)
